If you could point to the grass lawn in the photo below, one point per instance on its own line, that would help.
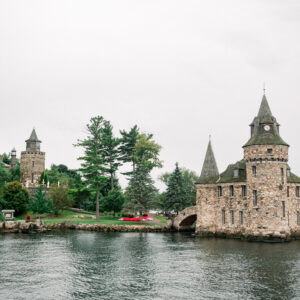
(69, 216)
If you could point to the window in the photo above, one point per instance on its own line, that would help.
(244, 190)
(241, 218)
(220, 191)
(298, 218)
(283, 209)
(269, 151)
(254, 171)
(255, 198)
(297, 191)
(32, 177)
(232, 217)
(282, 175)
(288, 173)
(33, 164)
(288, 191)
(223, 216)
(236, 173)
(231, 191)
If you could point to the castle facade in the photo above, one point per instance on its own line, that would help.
(257, 197)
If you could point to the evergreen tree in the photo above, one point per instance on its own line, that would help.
(113, 201)
(39, 202)
(59, 198)
(141, 191)
(128, 142)
(176, 196)
(111, 152)
(93, 165)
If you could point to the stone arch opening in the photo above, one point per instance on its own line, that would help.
(188, 221)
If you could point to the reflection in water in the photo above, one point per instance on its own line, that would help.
(89, 265)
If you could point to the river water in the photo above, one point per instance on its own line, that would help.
(89, 265)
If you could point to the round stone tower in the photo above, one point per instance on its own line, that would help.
(266, 157)
(32, 163)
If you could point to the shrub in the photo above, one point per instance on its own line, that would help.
(113, 201)
(59, 197)
(39, 203)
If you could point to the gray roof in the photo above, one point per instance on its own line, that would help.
(210, 172)
(33, 137)
(260, 137)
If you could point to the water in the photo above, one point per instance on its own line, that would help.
(88, 265)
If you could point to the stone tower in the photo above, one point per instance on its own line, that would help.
(32, 163)
(13, 160)
(266, 156)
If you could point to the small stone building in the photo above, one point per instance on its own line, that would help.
(32, 163)
(257, 197)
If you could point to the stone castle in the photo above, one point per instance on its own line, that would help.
(256, 198)
(32, 162)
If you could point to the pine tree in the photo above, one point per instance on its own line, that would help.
(176, 196)
(93, 165)
(111, 151)
(39, 203)
(113, 201)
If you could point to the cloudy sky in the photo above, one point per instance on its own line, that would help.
(178, 69)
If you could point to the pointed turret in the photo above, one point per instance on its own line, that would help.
(33, 143)
(210, 172)
(264, 128)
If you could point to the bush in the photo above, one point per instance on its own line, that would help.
(15, 196)
(39, 203)
(1, 217)
(59, 197)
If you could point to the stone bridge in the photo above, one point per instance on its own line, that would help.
(184, 220)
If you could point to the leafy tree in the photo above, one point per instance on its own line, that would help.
(2, 219)
(39, 203)
(141, 190)
(5, 176)
(189, 179)
(128, 142)
(59, 198)
(176, 197)
(111, 152)
(15, 197)
(113, 201)
(93, 165)
(6, 158)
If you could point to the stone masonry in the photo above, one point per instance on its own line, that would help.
(32, 163)
(256, 198)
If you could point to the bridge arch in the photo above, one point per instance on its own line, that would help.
(185, 219)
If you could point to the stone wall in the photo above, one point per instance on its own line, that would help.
(32, 166)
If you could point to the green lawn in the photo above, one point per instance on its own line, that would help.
(69, 216)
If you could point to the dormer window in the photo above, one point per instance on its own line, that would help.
(236, 173)
(288, 173)
(270, 151)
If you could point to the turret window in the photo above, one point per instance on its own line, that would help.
(254, 171)
(270, 151)
(288, 191)
(220, 191)
(33, 164)
(244, 190)
(241, 218)
(255, 198)
(298, 218)
(283, 209)
(297, 191)
(231, 188)
(32, 178)
(282, 175)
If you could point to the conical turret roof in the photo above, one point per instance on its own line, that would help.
(33, 137)
(210, 172)
(265, 114)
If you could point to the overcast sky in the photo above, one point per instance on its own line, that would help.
(178, 69)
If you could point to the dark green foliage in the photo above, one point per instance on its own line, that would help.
(59, 197)
(2, 219)
(15, 197)
(6, 158)
(176, 197)
(83, 198)
(39, 203)
(111, 152)
(113, 201)
(5, 175)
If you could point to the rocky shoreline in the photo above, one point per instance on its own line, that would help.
(40, 226)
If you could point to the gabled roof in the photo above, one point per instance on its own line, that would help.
(210, 172)
(228, 175)
(293, 178)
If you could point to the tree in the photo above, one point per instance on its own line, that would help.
(141, 190)
(113, 201)
(4, 175)
(59, 198)
(128, 142)
(39, 203)
(111, 152)
(189, 179)
(93, 166)
(15, 197)
(176, 197)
